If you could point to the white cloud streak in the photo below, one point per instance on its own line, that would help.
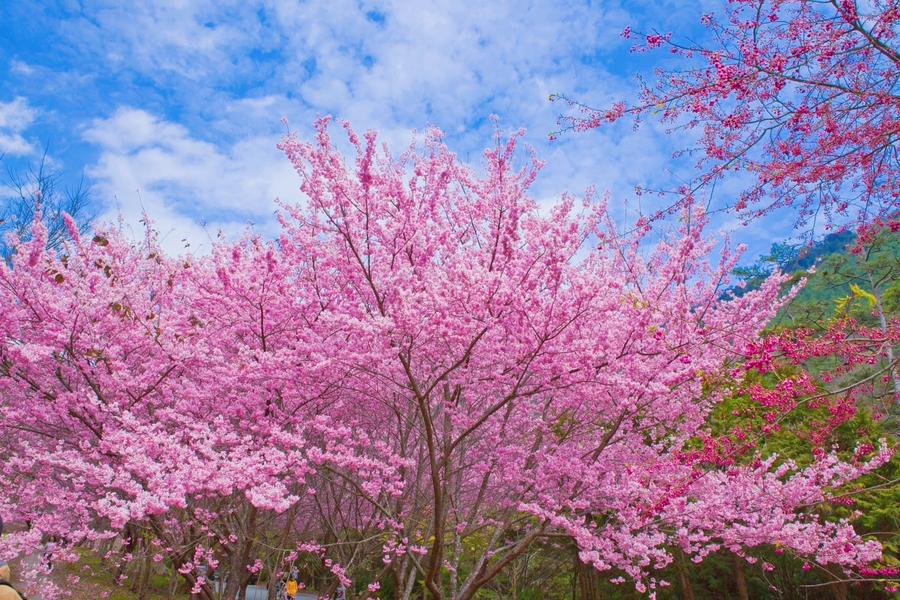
(15, 117)
(190, 189)
(238, 67)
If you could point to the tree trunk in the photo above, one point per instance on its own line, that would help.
(684, 576)
(173, 584)
(272, 586)
(104, 547)
(840, 590)
(144, 577)
(233, 580)
(240, 560)
(588, 581)
(178, 560)
(410, 584)
(889, 348)
(206, 592)
(740, 577)
(140, 565)
(131, 544)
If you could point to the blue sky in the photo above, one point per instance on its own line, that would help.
(176, 106)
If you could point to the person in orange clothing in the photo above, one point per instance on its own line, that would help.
(290, 590)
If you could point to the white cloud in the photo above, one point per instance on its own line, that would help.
(386, 65)
(149, 164)
(191, 38)
(390, 66)
(451, 64)
(394, 67)
(21, 67)
(442, 63)
(15, 117)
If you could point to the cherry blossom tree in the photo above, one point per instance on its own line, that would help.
(801, 95)
(425, 376)
(143, 392)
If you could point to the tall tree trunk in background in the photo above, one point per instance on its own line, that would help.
(144, 577)
(104, 547)
(840, 590)
(272, 588)
(173, 584)
(138, 562)
(588, 581)
(277, 565)
(129, 546)
(238, 575)
(410, 584)
(889, 349)
(684, 576)
(179, 558)
(740, 577)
